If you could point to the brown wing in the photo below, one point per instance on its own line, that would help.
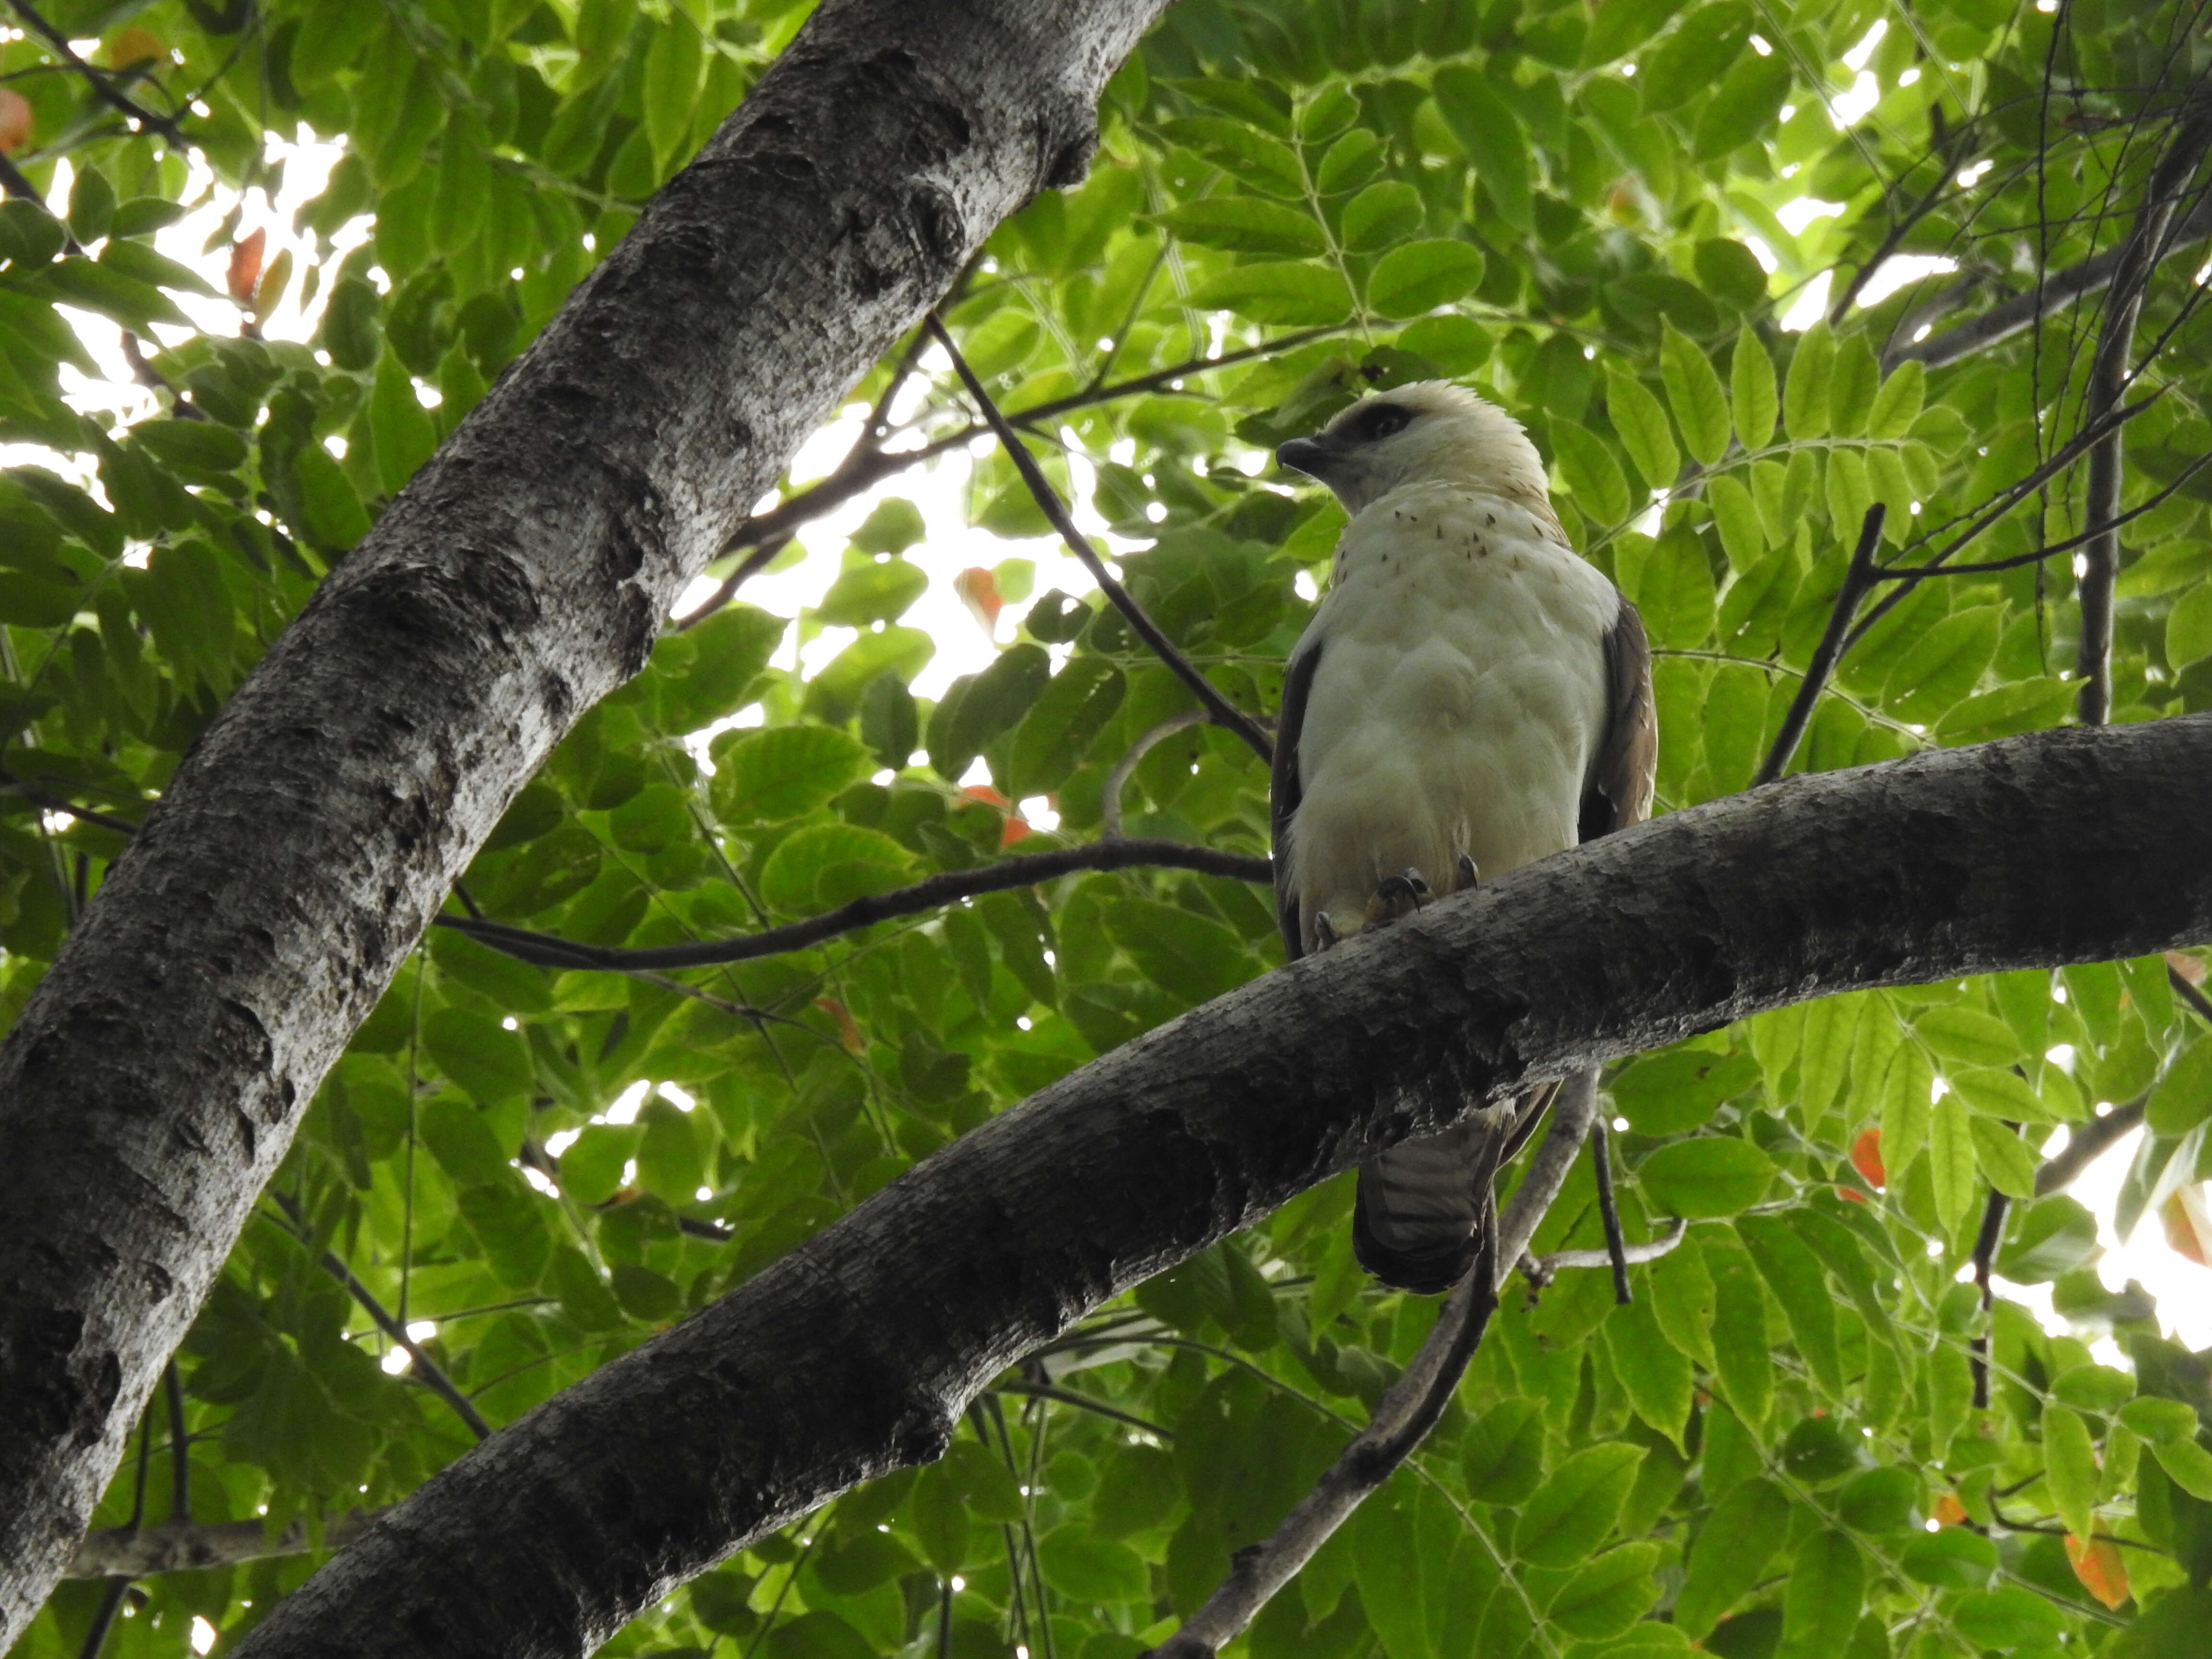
(1618, 790)
(1285, 790)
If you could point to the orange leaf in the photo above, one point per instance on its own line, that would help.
(2098, 1564)
(1016, 826)
(1866, 1157)
(135, 45)
(979, 591)
(2188, 1222)
(848, 1033)
(245, 273)
(15, 117)
(1949, 1510)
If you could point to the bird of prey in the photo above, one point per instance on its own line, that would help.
(1471, 694)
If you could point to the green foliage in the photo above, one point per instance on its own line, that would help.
(1564, 205)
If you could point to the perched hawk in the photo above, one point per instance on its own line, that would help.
(1470, 695)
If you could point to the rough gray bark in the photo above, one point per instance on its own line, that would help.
(857, 1352)
(154, 1080)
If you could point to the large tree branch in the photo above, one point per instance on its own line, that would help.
(857, 1352)
(154, 1080)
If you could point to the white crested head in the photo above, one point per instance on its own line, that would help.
(1426, 432)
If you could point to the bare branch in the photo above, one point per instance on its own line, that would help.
(183, 1546)
(933, 892)
(1411, 1406)
(101, 83)
(2086, 1143)
(1540, 1270)
(1985, 1250)
(1116, 780)
(2061, 458)
(2000, 322)
(1858, 576)
(1225, 713)
(2109, 374)
(426, 1368)
(1616, 1247)
(1989, 567)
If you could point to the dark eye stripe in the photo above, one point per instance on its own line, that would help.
(1383, 421)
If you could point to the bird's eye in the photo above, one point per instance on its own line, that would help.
(1384, 420)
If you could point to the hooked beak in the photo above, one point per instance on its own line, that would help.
(1310, 456)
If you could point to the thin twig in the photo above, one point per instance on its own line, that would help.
(1225, 713)
(1991, 566)
(13, 183)
(1985, 1250)
(2012, 496)
(41, 797)
(2086, 1143)
(947, 887)
(1858, 576)
(2002, 321)
(1540, 1270)
(1116, 780)
(1616, 1247)
(426, 1368)
(2187, 992)
(180, 1446)
(97, 79)
(1069, 1397)
(1410, 1407)
(152, 378)
(862, 470)
(2108, 378)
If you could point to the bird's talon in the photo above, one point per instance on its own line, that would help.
(1468, 875)
(1324, 933)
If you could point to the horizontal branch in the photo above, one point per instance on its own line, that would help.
(190, 1546)
(1542, 1269)
(857, 1352)
(932, 893)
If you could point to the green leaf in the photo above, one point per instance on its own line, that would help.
(2188, 627)
(489, 1063)
(1943, 664)
(1805, 393)
(1745, 1367)
(1745, 103)
(1241, 150)
(1418, 277)
(2171, 1627)
(1880, 1501)
(2158, 1422)
(1674, 1092)
(2004, 1158)
(980, 707)
(1502, 1452)
(1244, 224)
(1800, 1284)
(1605, 1597)
(1968, 1037)
(1707, 1177)
(872, 593)
(460, 1138)
(2003, 1095)
(671, 83)
(2008, 1617)
(1952, 1558)
(1736, 517)
(1591, 474)
(1573, 1510)
(1380, 215)
(1491, 135)
(1093, 1569)
(1654, 1374)
(2069, 1466)
(1897, 406)
(1295, 295)
(1751, 378)
(1820, 1604)
(1730, 1552)
(2183, 1097)
(775, 773)
(1951, 1161)
(1643, 430)
(2188, 1465)
(1387, 1560)
(1684, 1300)
(1853, 380)
(826, 865)
(1694, 390)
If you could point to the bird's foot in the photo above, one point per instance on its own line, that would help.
(1323, 930)
(1468, 875)
(1397, 896)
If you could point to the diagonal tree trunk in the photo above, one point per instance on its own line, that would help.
(857, 1352)
(154, 1082)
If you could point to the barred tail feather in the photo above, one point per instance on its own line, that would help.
(1423, 1210)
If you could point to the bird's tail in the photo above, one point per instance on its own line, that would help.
(1424, 1208)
